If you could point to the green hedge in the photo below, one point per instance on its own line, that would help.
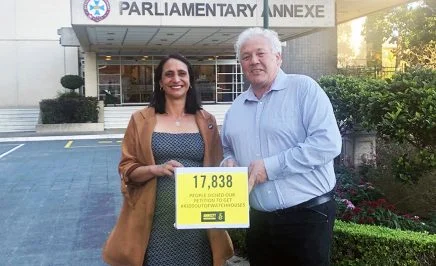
(357, 244)
(69, 108)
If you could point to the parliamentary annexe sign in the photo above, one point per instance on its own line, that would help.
(231, 13)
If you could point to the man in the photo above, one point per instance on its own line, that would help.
(289, 149)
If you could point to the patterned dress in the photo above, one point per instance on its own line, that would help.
(169, 246)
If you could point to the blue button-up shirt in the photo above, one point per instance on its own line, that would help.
(293, 129)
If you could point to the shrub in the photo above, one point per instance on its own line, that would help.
(347, 94)
(353, 186)
(406, 113)
(417, 198)
(69, 108)
(361, 202)
(72, 82)
(402, 110)
(379, 212)
(50, 111)
(356, 244)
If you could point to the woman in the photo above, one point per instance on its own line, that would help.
(173, 132)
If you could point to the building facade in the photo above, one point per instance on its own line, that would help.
(115, 45)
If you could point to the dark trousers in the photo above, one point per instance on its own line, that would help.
(294, 236)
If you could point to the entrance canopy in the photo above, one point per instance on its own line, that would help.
(210, 27)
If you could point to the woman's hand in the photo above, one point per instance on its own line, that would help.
(147, 172)
(165, 169)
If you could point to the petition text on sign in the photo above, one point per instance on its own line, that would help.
(212, 197)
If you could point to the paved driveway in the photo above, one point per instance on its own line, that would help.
(58, 201)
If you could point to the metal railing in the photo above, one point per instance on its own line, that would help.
(368, 71)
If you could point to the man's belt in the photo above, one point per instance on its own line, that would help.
(310, 203)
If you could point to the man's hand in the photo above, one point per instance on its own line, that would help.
(256, 174)
(229, 163)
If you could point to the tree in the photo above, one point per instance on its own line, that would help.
(374, 31)
(412, 28)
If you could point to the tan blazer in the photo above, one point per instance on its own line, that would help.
(136, 151)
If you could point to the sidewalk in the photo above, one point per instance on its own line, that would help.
(35, 136)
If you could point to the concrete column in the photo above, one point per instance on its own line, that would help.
(91, 74)
(100, 112)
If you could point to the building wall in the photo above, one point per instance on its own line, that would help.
(313, 55)
(32, 60)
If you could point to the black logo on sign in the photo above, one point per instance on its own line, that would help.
(213, 216)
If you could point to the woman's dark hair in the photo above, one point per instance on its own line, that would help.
(158, 98)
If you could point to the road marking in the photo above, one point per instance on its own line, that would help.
(119, 141)
(95, 146)
(105, 141)
(11, 150)
(68, 145)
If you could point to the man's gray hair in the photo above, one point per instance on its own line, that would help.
(250, 33)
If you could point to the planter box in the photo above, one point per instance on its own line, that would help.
(69, 127)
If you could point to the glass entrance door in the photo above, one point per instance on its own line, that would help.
(218, 80)
(128, 80)
(205, 79)
(136, 83)
(229, 81)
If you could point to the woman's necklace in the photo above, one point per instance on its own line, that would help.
(178, 121)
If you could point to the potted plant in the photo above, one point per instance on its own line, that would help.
(70, 111)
